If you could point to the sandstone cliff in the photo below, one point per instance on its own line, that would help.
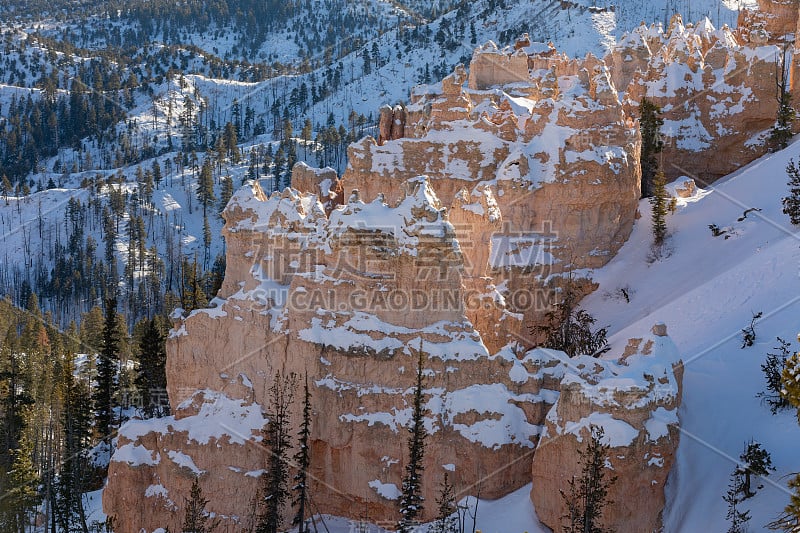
(330, 297)
(777, 19)
(358, 348)
(537, 160)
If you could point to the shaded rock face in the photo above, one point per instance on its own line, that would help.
(324, 183)
(491, 67)
(716, 89)
(391, 123)
(635, 400)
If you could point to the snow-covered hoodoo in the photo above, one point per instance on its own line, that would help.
(324, 296)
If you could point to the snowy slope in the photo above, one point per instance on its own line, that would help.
(576, 28)
(586, 27)
(706, 291)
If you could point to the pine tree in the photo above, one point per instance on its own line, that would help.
(738, 519)
(192, 294)
(151, 378)
(756, 461)
(367, 62)
(74, 473)
(303, 461)
(291, 159)
(6, 188)
(157, 176)
(195, 517)
(569, 329)
(15, 395)
(446, 521)
(22, 480)
(230, 141)
(226, 193)
(287, 132)
(790, 519)
(782, 130)
(306, 134)
(659, 203)
(34, 334)
(411, 500)
(278, 442)
(205, 185)
(791, 203)
(91, 330)
(588, 494)
(650, 123)
(217, 275)
(107, 359)
(206, 242)
(773, 367)
(220, 152)
(278, 168)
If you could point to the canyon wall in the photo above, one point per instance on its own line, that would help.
(640, 423)
(321, 296)
(540, 177)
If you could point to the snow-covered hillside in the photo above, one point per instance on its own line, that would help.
(418, 51)
(155, 121)
(706, 291)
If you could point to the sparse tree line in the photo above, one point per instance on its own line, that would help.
(83, 107)
(256, 20)
(69, 270)
(66, 266)
(128, 26)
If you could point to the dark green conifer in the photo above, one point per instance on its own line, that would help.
(659, 203)
(411, 499)
(650, 123)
